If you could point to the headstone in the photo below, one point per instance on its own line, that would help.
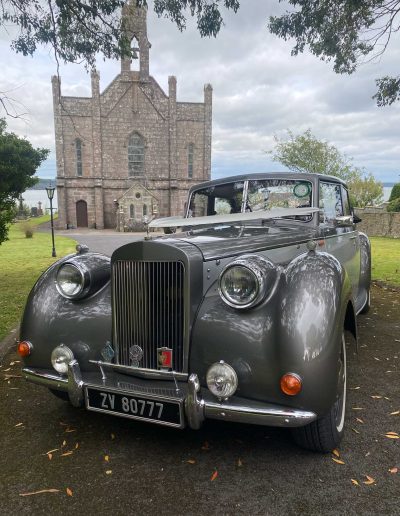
(34, 211)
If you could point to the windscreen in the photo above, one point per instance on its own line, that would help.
(263, 194)
(217, 200)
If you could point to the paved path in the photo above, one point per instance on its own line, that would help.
(105, 241)
(120, 467)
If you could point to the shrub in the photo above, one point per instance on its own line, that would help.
(394, 205)
(395, 193)
(28, 228)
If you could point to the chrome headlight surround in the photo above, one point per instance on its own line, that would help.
(78, 275)
(264, 275)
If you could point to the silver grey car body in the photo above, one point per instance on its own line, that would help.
(164, 293)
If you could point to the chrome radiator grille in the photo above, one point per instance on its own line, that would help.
(148, 311)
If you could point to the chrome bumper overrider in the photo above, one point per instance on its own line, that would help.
(199, 404)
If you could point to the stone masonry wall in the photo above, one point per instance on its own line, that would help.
(378, 222)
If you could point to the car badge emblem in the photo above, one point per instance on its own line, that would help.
(164, 358)
(135, 355)
(108, 352)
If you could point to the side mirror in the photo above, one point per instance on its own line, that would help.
(344, 221)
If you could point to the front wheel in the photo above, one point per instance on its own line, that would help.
(325, 434)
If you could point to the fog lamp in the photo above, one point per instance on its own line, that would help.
(222, 380)
(291, 384)
(61, 357)
(24, 348)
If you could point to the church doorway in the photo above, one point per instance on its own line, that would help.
(81, 214)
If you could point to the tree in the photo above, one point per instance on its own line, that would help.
(344, 31)
(395, 193)
(365, 191)
(305, 153)
(18, 163)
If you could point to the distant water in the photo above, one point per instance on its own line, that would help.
(386, 192)
(32, 197)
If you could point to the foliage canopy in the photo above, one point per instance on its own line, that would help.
(344, 31)
(305, 153)
(18, 164)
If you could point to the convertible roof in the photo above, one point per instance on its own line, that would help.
(267, 175)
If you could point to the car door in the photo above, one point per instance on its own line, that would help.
(341, 236)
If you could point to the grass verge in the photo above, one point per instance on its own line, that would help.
(386, 260)
(22, 261)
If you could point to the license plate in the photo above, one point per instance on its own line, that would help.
(153, 410)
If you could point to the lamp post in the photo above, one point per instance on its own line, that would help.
(50, 194)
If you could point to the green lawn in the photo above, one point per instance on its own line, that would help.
(386, 259)
(22, 260)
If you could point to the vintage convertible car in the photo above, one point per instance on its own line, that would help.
(239, 316)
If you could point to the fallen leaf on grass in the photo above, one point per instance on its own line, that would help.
(369, 480)
(112, 437)
(40, 492)
(359, 420)
(336, 452)
(69, 492)
(19, 424)
(205, 446)
(239, 463)
(64, 443)
(354, 481)
(76, 446)
(378, 359)
(376, 397)
(106, 458)
(393, 470)
(354, 388)
(66, 454)
(214, 476)
(338, 461)
(108, 471)
(191, 461)
(50, 456)
(51, 451)
(69, 430)
(392, 435)
(396, 413)
(358, 408)
(355, 431)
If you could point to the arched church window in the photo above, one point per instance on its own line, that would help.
(190, 160)
(78, 152)
(135, 155)
(144, 210)
(132, 211)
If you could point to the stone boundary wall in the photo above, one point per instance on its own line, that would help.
(376, 221)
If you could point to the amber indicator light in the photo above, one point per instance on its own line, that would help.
(24, 348)
(291, 384)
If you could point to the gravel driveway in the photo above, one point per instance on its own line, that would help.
(99, 464)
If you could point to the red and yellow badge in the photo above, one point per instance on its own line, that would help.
(164, 358)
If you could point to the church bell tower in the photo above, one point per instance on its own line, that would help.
(134, 23)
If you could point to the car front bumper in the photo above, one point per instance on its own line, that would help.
(197, 403)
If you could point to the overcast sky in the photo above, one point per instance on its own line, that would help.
(259, 90)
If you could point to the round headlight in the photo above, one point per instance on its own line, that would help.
(61, 357)
(222, 380)
(70, 280)
(238, 285)
(247, 281)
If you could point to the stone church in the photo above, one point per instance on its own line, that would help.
(132, 151)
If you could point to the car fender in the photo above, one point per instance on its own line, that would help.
(298, 329)
(83, 325)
